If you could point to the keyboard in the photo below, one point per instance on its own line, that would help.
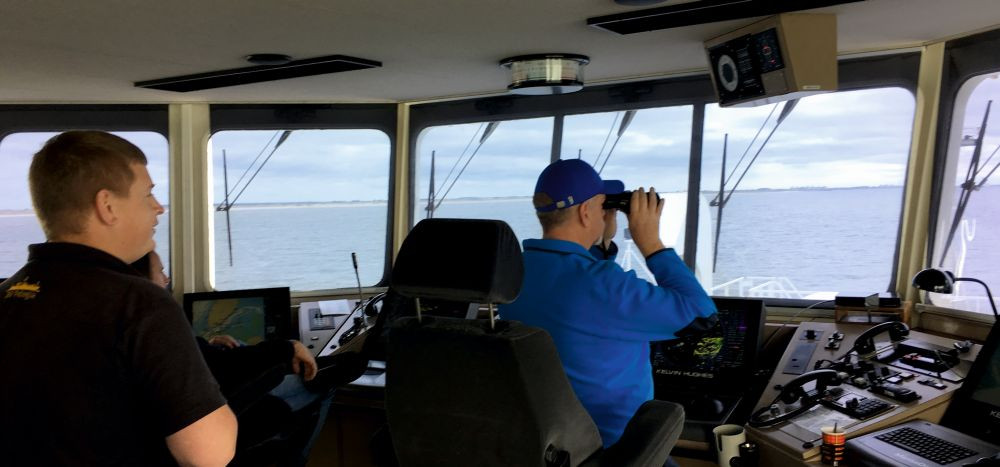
(926, 446)
(855, 405)
(868, 408)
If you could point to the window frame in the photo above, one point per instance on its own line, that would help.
(45, 118)
(379, 117)
(965, 58)
(891, 70)
(21, 118)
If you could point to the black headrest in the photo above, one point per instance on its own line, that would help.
(467, 260)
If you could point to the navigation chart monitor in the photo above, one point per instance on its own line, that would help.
(727, 353)
(250, 316)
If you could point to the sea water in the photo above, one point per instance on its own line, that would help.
(819, 239)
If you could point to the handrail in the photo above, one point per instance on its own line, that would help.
(762, 286)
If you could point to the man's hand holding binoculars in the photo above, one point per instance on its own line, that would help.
(644, 220)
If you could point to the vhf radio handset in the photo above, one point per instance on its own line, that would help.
(794, 391)
(865, 343)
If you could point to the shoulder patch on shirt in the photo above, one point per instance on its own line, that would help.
(24, 290)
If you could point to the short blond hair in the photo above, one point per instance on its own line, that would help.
(67, 173)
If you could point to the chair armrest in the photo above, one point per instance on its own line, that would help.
(246, 392)
(649, 436)
(337, 370)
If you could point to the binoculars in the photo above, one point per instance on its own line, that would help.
(621, 201)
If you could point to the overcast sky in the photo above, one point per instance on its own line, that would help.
(837, 140)
(311, 165)
(16, 151)
(858, 138)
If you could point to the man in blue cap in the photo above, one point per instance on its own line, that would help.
(601, 317)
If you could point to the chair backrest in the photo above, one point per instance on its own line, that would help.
(462, 392)
(463, 260)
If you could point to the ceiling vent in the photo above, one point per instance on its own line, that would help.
(542, 74)
(701, 12)
(276, 67)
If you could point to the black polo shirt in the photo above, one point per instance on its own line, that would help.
(97, 364)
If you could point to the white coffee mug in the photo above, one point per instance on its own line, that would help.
(727, 442)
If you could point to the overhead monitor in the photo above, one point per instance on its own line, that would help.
(782, 57)
(250, 315)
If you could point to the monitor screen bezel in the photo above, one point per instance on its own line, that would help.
(277, 308)
(758, 313)
(967, 415)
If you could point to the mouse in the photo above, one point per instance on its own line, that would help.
(706, 407)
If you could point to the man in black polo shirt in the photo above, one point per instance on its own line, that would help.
(98, 365)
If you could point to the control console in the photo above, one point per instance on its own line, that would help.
(861, 377)
(854, 404)
(325, 326)
(875, 377)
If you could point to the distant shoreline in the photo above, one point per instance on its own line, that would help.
(31, 212)
(423, 201)
(469, 200)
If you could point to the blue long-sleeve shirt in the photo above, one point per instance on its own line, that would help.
(602, 320)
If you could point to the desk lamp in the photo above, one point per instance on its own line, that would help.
(941, 281)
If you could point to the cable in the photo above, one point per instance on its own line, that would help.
(747, 150)
(608, 156)
(261, 166)
(853, 350)
(953, 369)
(490, 127)
(460, 156)
(255, 159)
(987, 177)
(752, 142)
(831, 363)
(796, 315)
(460, 172)
(607, 138)
(989, 296)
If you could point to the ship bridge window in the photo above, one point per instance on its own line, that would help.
(290, 206)
(17, 219)
(810, 210)
(967, 237)
(804, 197)
(482, 170)
(642, 148)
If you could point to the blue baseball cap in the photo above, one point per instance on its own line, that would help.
(569, 182)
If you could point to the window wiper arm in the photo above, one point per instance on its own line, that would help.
(228, 204)
(486, 134)
(968, 185)
(723, 197)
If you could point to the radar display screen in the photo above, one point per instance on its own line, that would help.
(727, 351)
